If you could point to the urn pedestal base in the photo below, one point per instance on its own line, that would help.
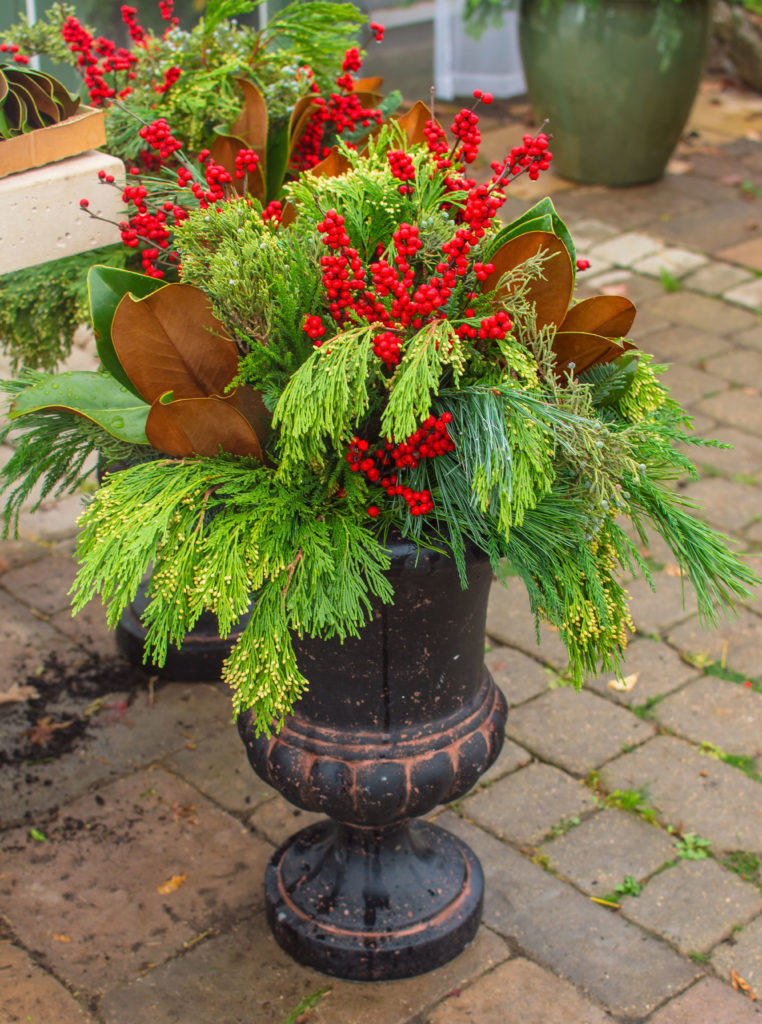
(374, 903)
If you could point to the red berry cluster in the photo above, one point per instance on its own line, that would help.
(97, 58)
(341, 112)
(170, 77)
(378, 31)
(532, 156)
(246, 161)
(159, 137)
(430, 440)
(402, 168)
(19, 58)
(130, 18)
(386, 346)
(583, 264)
(315, 329)
(352, 60)
(273, 212)
(465, 129)
(167, 8)
(343, 272)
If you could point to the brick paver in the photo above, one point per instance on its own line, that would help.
(28, 993)
(712, 1001)
(524, 806)
(542, 997)
(743, 955)
(694, 905)
(603, 954)
(101, 870)
(715, 711)
(576, 731)
(243, 976)
(738, 407)
(700, 793)
(518, 676)
(651, 669)
(735, 642)
(599, 853)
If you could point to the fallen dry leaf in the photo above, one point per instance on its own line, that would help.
(624, 685)
(43, 729)
(673, 570)
(18, 692)
(171, 884)
(740, 985)
(187, 811)
(61, 938)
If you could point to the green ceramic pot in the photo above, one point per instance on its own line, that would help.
(616, 113)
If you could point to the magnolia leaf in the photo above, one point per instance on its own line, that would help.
(540, 217)
(414, 121)
(201, 426)
(171, 341)
(278, 153)
(106, 287)
(369, 101)
(332, 166)
(3, 85)
(373, 84)
(585, 350)
(42, 98)
(608, 315)
(552, 294)
(96, 396)
(301, 115)
(250, 404)
(252, 123)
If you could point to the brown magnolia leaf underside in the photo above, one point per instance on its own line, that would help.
(332, 166)
(374, 83)
(552, 294)
(171, 341)
(414, 121)
(251, 124)
(301, 115)
(608, 315)
(585, 350)
(200, 426)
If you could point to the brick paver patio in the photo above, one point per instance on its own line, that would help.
(620, 831)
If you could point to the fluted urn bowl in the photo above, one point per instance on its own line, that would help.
(395, 722)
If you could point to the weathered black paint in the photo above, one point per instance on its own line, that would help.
(395, 722)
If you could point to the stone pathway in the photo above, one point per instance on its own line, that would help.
(620, 830)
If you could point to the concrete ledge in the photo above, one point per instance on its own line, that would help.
(41, 216)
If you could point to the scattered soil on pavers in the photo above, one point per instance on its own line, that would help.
(63, 702)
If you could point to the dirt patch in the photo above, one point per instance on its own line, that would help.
(61, 704)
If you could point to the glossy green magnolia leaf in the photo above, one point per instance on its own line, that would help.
(278, 153)
(96, 396)
(544, 211)
(106, 287)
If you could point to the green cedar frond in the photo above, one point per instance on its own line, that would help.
(326, 395)
(418, 377)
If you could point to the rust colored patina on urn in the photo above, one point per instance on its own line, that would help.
(401, 719)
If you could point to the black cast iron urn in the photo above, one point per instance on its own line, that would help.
(395, 722)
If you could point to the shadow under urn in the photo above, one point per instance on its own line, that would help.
(396, 721)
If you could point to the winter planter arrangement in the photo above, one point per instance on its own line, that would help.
(358, 402)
